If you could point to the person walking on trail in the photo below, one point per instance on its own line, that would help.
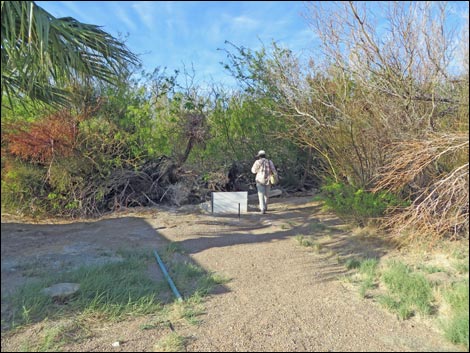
(263, 168)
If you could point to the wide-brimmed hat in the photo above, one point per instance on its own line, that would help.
(261, 153)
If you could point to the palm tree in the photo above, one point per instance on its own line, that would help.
(41, 54)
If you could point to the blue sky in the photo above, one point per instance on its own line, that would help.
(175, 33)
(178, 34)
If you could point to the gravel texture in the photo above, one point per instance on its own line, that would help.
(280, 296)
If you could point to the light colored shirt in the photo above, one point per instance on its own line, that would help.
(263, 168)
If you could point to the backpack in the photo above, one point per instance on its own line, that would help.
(269, 174)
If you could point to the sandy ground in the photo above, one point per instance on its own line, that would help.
(280, 296)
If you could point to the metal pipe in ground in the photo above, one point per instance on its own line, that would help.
(167, 276)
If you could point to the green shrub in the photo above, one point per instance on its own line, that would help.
(23, 189)
(357, 203)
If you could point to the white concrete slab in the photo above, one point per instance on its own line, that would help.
(227, 202)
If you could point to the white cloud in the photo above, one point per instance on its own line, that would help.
(146, 12)
(124, 17)
(244, 22)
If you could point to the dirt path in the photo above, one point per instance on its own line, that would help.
(280, 297)
(283, 297)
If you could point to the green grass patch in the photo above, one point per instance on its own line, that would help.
(366, 273)
(308, 241)
(113, 291)
(429, 268)
(368, 267)
(303, 240)
(57, 336)
(366, 285)
(393, 305)
(408, 292)
(460, 254)
(461, 266)
(171, 343)
(189, 310)
(456, 327)
(194, 280)
(352, 263)
(172, 248)
(189, 278)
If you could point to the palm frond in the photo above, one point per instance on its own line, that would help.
(42, 53)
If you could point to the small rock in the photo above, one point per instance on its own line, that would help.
(61, 290)
(116, 344)
(205, 207)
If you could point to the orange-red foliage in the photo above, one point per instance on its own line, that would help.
(40, 141)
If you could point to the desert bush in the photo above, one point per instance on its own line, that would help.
(23, 188)
(356, 203)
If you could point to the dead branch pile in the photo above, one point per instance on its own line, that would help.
(436, 171)
(162, 181)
